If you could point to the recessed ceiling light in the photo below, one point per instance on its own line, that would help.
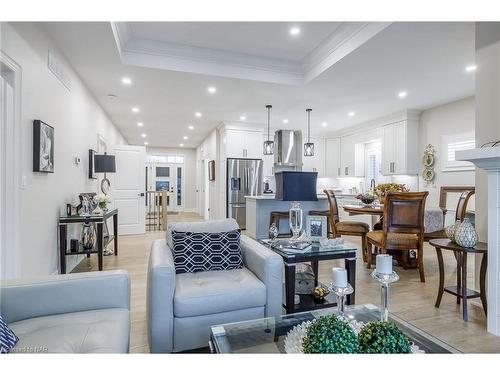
(182, 144)
(243, 118)
(212, 90)
(402, 94)
(126, 81)
(285, 121)
(294, 31)
(351, 114)
(143, 135)
(140, 124)
(190, 127)
(198, 114)
(471, 68)
(146, 143)
(135, 109)
(185, 137)
(324, 124)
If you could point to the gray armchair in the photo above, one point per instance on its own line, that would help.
(75, 313)
(181, 308)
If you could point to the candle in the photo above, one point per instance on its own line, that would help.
(339, 277)
(384, 264)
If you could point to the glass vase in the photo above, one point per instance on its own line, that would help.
(88, 236)
(295, 219)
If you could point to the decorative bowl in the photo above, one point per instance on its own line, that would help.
(319, 293)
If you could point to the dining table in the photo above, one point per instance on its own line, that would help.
(433, 221)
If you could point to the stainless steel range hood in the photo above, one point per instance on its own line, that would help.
(288, 150)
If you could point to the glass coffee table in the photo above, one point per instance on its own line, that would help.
(267, 335)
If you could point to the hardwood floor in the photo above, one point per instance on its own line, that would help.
(410, 299)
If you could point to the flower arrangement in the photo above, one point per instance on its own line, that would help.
(103, 201)
(382, 189)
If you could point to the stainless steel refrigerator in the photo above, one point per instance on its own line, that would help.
(244, 177)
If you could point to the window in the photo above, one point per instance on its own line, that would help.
(165, 159)
(373, 151)
(453, 143)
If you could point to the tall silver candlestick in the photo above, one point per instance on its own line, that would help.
(384, 279)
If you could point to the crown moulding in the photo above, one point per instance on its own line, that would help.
(182, 58)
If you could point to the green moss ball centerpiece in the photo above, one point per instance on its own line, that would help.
(383, 338)
(330, 334)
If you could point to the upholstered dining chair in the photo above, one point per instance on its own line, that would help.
(337, 228)
(403, 228)
(463, 200)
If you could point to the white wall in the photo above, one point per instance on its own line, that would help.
(189, 171)
(208, 150)
(451, 118)
(76, 118)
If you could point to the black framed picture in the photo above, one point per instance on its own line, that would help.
(43, 147)
(92, 174)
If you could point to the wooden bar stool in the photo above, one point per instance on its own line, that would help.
(276, 217)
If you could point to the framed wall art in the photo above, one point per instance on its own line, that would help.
(43, 147)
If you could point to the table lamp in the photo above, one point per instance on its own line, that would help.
(104, 164)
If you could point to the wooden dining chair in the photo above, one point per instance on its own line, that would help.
(461, 211)
(403, 228)
(337, 228)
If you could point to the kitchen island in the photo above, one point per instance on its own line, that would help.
(259, 208)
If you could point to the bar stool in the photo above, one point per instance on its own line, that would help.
(276, 216)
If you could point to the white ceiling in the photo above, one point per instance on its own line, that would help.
(425, 59)
(265, 39)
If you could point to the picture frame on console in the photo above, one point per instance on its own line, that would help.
(316, 227)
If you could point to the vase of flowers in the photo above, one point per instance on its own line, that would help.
(103, 201)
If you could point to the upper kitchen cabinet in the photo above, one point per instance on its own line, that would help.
(316, 163)
(242, 143)
(332, 162)
(400, 148)
(347, 156)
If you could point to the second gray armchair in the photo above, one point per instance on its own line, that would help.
(182, 307)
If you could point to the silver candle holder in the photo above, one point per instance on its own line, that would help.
(341, 292)
(384, 279)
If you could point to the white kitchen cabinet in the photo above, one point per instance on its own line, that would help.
(359, 160)
(243, 144)
(400, 148)
(347, 156)
(332, 161)
(316, 163)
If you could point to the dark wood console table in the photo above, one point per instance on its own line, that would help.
(460, 290)
(101, 240)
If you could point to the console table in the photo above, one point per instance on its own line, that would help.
(460, 290)
(101, 242)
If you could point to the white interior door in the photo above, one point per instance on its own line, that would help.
(127, 188)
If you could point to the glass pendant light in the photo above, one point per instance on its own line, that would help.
(309, 146)
(268, 145)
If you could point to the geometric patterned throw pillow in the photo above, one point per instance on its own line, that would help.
(196, 252)
(7, 338)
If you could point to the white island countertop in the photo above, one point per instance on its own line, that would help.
(272, 196)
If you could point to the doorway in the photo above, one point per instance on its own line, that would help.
(10, 179)
(166, 173)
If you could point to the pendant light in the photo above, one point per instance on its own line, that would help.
(308, 146)
(268, 145)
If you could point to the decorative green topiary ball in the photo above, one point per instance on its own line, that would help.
(329, 334)
(383, 338)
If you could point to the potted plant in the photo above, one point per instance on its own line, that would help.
(103, 201)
